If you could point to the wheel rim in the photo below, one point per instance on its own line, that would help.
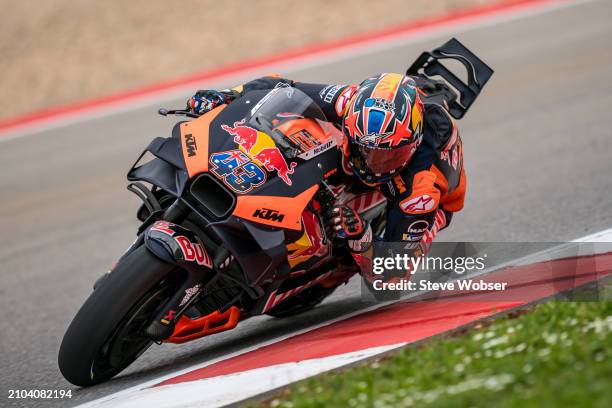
(127, 342)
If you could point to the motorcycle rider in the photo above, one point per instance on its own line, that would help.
(398, 138)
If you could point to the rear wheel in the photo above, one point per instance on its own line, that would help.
(106, 334)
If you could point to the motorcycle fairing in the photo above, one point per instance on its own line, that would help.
(274, 297)
(280, 212)
(176, 244)
(263, 252)
(194, 142)
(311, 247)
(268, 216)
(167, 171)
(260, 251)
(304, 175)
(274, 203)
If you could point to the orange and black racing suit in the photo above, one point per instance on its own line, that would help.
(423, 197)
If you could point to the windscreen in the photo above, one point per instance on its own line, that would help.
(282, 104)
(283, 111)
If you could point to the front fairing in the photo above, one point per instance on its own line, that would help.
(242, 128)
(230, 146)
(167, 169)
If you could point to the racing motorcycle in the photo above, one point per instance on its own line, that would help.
(232, 225)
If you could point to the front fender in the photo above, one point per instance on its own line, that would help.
(176, 244)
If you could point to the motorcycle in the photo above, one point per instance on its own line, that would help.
(232, 223)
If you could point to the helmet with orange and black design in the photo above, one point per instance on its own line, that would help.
(383, 125)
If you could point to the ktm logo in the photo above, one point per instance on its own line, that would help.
(190, 145)
(268, 214)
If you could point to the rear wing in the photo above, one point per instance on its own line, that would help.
(478, 73)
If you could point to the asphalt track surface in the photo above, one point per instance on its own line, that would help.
(537, 153)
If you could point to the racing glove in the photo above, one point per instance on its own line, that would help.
(343, 224)
(204, 101)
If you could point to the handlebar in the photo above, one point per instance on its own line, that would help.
(178, 112)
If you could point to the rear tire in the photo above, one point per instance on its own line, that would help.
(105, 335)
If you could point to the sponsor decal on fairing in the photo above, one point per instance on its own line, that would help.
(269, 214)
(317, 150)
(237, 168)
(193, 251)
(190, 145)
(190, 293)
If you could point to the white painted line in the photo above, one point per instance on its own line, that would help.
(604, 236)
(213, 392)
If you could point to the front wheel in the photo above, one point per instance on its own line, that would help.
(106, 334)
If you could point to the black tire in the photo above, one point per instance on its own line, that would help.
(103, 338)
(302, 302)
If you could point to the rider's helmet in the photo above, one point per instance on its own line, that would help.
(383, 125)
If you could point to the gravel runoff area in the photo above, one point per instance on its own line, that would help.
(62, 51)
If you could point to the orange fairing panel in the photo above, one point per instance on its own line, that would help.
(194, 142)
(281, 212)
(321, 131)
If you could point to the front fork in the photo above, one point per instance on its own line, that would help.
(177, 245)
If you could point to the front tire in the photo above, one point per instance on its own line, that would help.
(106, 336)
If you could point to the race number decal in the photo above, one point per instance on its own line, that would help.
(237, 171)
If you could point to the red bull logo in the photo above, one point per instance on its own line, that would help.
(261, 149)
(311, 243)
(244, 136)
(273, 160)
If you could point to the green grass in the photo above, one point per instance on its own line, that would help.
(558, 354)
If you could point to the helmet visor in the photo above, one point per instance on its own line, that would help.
(380, 161)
